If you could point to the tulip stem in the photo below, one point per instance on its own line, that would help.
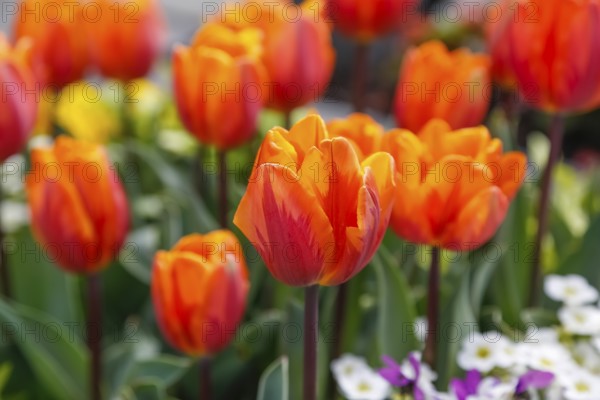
(433, 314)
(4, 273)
(205, 378)
(311, 320)
(94, 334)
(338, 329)
(361, 72)
(556, 138)
(287, 119)
(223, 209)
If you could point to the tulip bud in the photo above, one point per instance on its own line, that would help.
(78, 207)
(18, 96)
(199, 290)
(313, 210)
(58, 31)
(218, 83)
(552, 48)
(127, 38)
(436, 83)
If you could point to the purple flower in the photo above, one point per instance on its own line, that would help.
(534, 379)
(464, 388)
(405, 375)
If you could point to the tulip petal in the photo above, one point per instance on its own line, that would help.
(282, 221)
(477, 222)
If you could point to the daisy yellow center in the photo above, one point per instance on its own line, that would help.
(483, 352)
(570, 291)
(582, 387)
(580, 318)
(363, 387)
(348, 370)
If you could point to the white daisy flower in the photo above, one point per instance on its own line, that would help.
(348, 365)
(583, 320)
(549, 357)
(581, 385)
(480, 353)
(573, 290)
(364, 385)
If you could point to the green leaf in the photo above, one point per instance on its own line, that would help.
(179, 188)
(456, 320)
(5, 371)
(164, 368)
(396, 310)
(274, 382)
(58, 360)
(584, 259)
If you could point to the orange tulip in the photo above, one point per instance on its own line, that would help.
(362, 131)
(552, 48)
(78, 207)
(315, 213)
(199, 291)
(437, 83)
(218, 85)
(453, 188)
(19, 105)
(127, 38)
(366, 20)
(57, 28)
(298, 52)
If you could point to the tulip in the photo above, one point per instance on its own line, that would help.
(366, 20)
(127, 39)
(199, 290)
(299, 57)
(78, 207)
(362, 131)
(298, 52)
(453, 188)
(218, 83)
(437, 83)
(57, 29)
(19, 104)
(553, 51)
(315, 213)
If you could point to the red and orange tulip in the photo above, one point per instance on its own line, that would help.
(366, 20)
(218, 85)
(298, 52)
(437, 83)
(78, 207)
(19, 104)
(127, 39)
(59, 39)
(362, 131)
(499, 45)
(553, 50)
(199, 290)
(313, 210)
(453, 188)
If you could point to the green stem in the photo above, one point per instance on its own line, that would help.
(223, 206)
(205, 378)
(94, 334)
(433, 313)
(4, 272)
(311, 320)
(556, 137)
